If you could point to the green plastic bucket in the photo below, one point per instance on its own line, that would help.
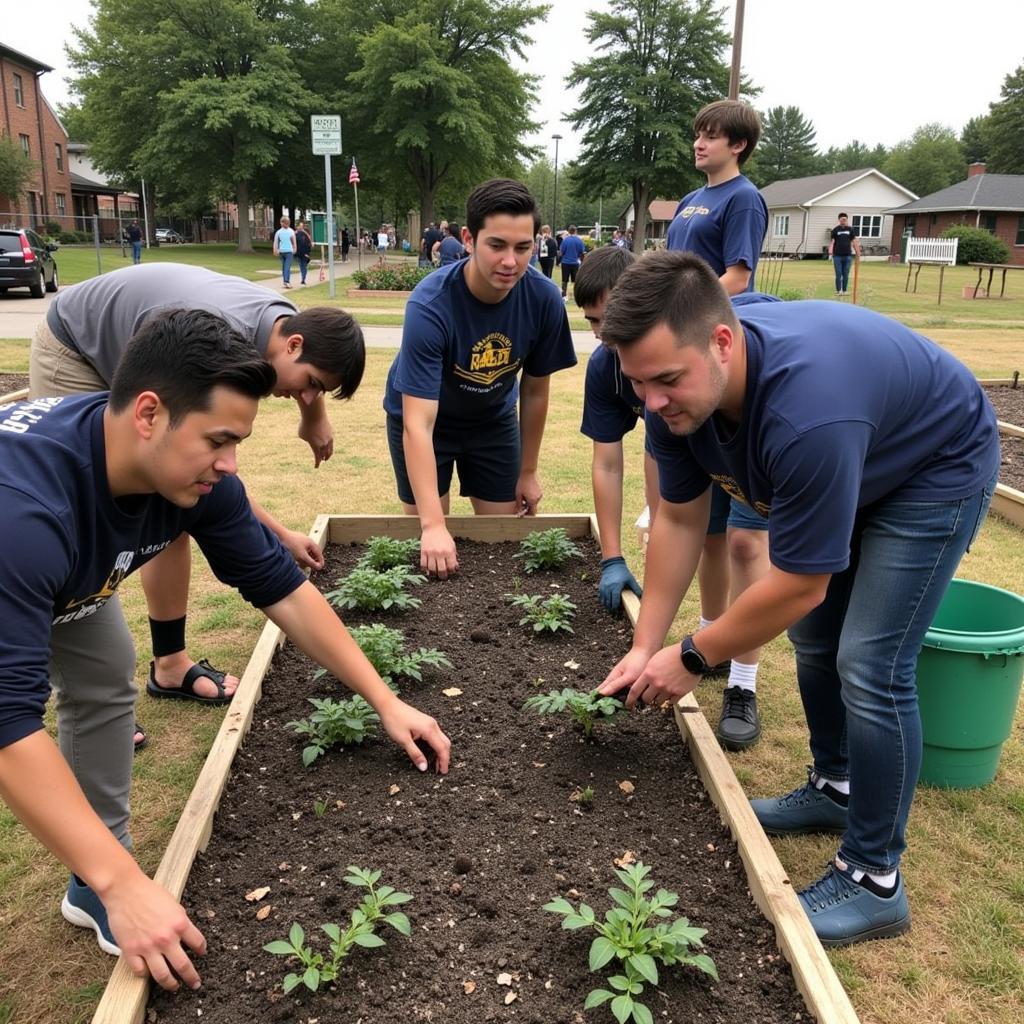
(968, 681)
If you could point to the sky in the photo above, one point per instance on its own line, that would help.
(872, 70)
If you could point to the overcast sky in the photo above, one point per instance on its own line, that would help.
(872, 70)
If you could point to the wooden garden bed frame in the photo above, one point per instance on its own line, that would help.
(125, 997)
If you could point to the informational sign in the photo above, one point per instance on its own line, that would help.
(326, 132)
(318, 222)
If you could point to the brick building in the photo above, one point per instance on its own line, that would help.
(994, 202)
(29, 120)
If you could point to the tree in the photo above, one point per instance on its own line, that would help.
(786, 149)
(16, 169)
(1005, 124)
(854, 156)
(974, 140)
(658, 63)
(196, 95)
(930, 160)
(430, 93)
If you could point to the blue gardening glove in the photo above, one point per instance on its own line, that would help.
(615, 578)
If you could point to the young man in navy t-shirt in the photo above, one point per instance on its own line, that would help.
(843, 247)
(470, 329)
(874, 458)
(92, 487)
(570, 253)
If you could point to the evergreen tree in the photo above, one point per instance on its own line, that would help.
(786, 149)
(1005, 127)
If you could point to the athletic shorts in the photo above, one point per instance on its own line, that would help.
(726, 511)
(486, 455)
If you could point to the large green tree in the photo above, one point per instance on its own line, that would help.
(1005, 127)
(974, 140)
(16, 169)
(196, 95)
(930, 160)
(656, 63)
(854, 156)
(786, 149)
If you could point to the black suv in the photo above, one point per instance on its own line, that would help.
(26, 262)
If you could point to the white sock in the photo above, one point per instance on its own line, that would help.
(704, 623)
(883, 881)
(840, 787)
(743, 676)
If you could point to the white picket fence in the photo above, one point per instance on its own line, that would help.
(932, 250)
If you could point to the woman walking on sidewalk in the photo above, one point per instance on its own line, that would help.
(284, 246)
(303, 248)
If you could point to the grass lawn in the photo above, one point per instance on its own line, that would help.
(963, 961)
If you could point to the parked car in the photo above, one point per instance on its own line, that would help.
(168, 236)
(26, 261)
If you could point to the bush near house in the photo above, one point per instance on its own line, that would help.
(977, 245)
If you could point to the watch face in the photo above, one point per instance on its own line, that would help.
(692, 661)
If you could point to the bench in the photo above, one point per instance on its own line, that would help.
(991, 268)
(930, 252)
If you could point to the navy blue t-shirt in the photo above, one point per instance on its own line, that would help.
(572, 250)
(466, 354)
(843, 407)
(67, 544)
(723, 224)
(451, 250)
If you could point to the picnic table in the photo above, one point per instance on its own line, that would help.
(912, 263)
(992, 268)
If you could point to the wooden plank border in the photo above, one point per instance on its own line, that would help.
(14, 396)
(124, 999)
(1009, 503)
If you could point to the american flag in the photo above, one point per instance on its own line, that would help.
(353, 175)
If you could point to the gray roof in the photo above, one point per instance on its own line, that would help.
(80, 183)
(806, 191)
(980, 192)
(16, 57)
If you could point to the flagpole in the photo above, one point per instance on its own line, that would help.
(359, 237)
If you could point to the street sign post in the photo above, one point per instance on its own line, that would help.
(326, 133)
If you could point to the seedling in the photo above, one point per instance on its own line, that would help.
(584, 797)
(629, 935)
(319, 808)
(318, 969)
(552, 613)
(386, 552)
(369, 590)
(384, 648)
(586, 708)
(547, 549)
(335, 723)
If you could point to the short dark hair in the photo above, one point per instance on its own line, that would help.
(332, 341)
(842, 215)
(499, 195)
(182, 355)
(453, 229)
(737, 120)
(677, 289)
(599, 273)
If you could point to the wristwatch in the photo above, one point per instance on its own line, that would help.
(693, 661)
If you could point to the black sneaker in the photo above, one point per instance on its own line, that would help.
(740, 724)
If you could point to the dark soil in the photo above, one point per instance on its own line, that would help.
(481, 850)
(1008, 403)
(1011, 468)
(12, 382)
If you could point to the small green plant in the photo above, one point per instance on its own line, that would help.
(385, 552)
(552, 613)
(630, 934)
(369, 590)
(547, 549)
(586, 708)
(343, 723)
(319, 808)
(385, 649)
(318, 969)
(584, 797)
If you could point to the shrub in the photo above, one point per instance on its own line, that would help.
(546, 549)
(393, 278)
(370, 590)
(341, 723)
(977, 245)
(385, 552)
(385, 650)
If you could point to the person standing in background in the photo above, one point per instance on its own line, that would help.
(134, 233)
(303, 249)
(843, 246)
(346, 244)
(571, 251)
(547, 251)
(284, 246)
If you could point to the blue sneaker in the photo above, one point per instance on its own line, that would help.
(82, 907)
(843, 911)
(806, 809)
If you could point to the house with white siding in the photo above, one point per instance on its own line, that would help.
(803, 211)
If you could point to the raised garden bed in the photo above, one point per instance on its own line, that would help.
(482, 850)
(13, 387)
(1007, 398)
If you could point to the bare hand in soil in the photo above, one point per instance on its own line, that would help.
(150, 926)
(405, 725)
(437, 552)
(625, 673)
(528, 494)
(303, 549)
(664, 678)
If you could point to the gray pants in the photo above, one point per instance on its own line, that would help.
(92, 670)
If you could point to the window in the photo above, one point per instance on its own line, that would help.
(780, 225)
(19, 91)
(1020, 231)
(62, 208)
(24, 140)
(58, 152)
(867, 225)
(988, 221)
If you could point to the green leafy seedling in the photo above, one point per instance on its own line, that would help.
(635, 933)
(335, 723)
(547, 549)
(369, 590)
(385, 649)
(552, 613)
(587, 708)
(373, 909)
(319, 808)
(386, 552)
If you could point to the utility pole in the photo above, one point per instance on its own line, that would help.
(554, 204)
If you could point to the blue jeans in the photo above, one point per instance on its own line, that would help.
(842, 264)
(136, 252)
(856, 662)
(303, 267)
(286, 266)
